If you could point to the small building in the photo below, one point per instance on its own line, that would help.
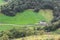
(43, 23)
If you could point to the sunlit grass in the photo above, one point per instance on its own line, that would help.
(2, 2)
(41, 37)
(27, 17)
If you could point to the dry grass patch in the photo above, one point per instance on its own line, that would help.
(41, 37)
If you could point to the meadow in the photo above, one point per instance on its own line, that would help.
(2, 2)
(27, 17)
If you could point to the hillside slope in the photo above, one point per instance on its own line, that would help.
(27, 17)
(41, 37)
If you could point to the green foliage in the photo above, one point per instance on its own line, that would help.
(4, 36)
(22, 32)
(53, 27)
(19, 32)
(15, 6)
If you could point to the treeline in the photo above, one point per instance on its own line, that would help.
(20, 33)
(15, 6)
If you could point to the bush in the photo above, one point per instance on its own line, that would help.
(18, 33)
(52, 27)
(4, 37)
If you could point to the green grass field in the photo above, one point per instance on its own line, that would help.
(1, 1)
(5, 28)
(27, 17)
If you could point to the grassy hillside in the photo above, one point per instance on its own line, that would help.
(4, 28)
(2, 2)
(27, 17)
(41, 37)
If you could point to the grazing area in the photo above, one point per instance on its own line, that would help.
(29, 20)
(15, 6)
(27, 17)
(2, 2)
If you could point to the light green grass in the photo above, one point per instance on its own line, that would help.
(4, 28)
(27, 17)
(1, 1)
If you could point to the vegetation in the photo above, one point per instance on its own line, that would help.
(27, 17)
(41, 37)
(29, 12)
(15, 6)
(53, 27)
(1, 1)
(23, 31)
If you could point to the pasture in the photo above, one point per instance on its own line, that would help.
(27, 17)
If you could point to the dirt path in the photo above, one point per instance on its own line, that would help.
(14, 25)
